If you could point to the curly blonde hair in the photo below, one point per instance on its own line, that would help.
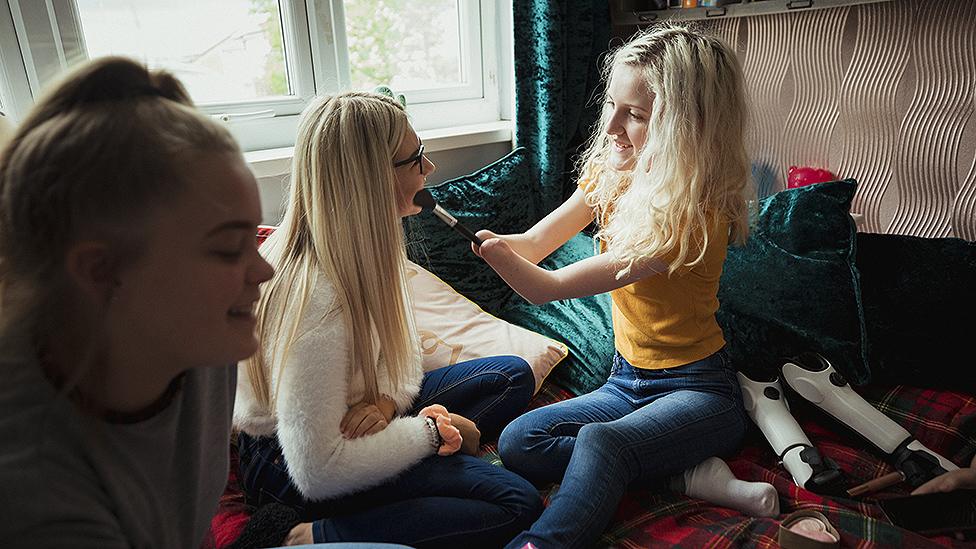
(693, 170)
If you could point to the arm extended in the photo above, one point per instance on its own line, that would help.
(591, 276)
(550, 233)
(514, 258)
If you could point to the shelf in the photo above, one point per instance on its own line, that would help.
(746, 9)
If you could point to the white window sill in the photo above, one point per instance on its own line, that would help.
(276, 162)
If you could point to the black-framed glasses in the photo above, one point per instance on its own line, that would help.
(417, 158)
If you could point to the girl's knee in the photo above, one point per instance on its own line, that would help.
(522, 449)
(519, 373)
(530, 508)
(523, 503)
(600, 435)
(513, 443)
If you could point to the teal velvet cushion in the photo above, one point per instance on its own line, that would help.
(793, 287)
(583, 324)
(919, 297)
(495, 198)
(498, 197)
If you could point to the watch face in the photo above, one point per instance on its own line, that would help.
(435, 435)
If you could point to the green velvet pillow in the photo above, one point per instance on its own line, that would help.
(584, 324)
(503, 197)
(492, 198)
(919, 296)
(793, 286)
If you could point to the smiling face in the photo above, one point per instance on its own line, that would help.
(411, 176)
(627, 108)
(189, 297)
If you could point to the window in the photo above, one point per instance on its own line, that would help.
(422, 48)
(256, 63)
(228, 51)
(15, 93)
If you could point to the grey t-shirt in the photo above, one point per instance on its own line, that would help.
(70, 480)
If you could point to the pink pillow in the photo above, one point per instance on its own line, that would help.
(454, 329)
(801, 177)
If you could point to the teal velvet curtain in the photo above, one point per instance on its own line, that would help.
(558, 45)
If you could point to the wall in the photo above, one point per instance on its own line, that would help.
(882, 92)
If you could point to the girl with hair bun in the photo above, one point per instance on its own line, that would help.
(338, 419)
(128, 275)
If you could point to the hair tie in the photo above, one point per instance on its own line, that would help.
(385, 90)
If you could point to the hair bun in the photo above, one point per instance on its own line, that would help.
(167, 86)
(117, 79)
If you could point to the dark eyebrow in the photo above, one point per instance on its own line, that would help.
(239, 225)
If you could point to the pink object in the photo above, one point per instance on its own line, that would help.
(450, 436)
(434, 411)
(814, 529)
(801, 177)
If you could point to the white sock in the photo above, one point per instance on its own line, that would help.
(713, 481)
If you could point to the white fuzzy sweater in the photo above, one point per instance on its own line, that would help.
(317, 387)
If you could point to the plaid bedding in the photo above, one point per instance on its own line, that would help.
(944, 421)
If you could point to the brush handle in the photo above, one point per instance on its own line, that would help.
(880, 483)
(456, 225)
(466, 232)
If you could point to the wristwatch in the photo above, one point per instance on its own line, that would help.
(434, 433)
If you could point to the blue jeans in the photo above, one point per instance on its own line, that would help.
(641, 426)
(489, 391)
(441, 501)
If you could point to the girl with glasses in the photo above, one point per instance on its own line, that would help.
(338, 420)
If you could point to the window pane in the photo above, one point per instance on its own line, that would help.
(222, 50)
(405, 44)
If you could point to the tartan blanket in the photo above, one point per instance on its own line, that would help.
(944, 421)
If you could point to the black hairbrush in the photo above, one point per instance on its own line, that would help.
(427, 202)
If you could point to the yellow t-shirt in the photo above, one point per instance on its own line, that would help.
(664, 321)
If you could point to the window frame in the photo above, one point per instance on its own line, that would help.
(48, 37)
(17, 97)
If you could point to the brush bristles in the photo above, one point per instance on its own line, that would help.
(425, 200)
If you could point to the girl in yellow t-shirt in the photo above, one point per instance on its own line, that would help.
(666, 177)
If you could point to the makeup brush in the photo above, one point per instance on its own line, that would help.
(880, 483)
(426, 201)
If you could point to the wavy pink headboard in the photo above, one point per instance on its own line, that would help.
(884, 93)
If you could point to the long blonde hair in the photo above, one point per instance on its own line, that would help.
(693, 168)
(341, 220)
